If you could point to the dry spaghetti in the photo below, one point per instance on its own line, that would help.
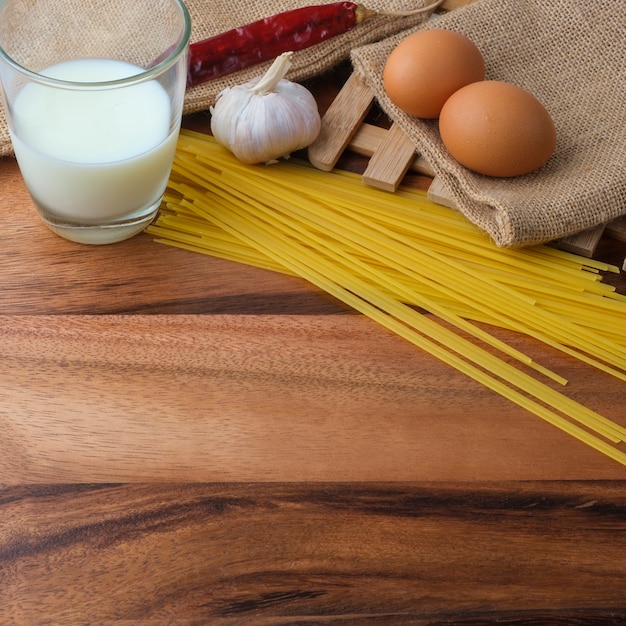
(390, 256)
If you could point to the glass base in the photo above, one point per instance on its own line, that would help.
(100, 234)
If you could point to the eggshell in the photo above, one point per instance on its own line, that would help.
(427, 67)
(497, 128)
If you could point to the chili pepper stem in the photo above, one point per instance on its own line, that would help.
(274, 74)
(362, 13)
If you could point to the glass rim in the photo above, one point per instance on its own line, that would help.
(159, 64)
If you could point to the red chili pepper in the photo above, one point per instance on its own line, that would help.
(266, 39)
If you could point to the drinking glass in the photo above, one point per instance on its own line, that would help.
(93, 95)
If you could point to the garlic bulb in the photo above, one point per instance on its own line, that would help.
(266, 118)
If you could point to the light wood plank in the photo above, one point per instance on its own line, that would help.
(391, 160)
(438, 192)
(269, 398)
(584, 243)
(341, 120)
(368, 139)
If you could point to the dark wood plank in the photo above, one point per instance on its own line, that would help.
(420, 553)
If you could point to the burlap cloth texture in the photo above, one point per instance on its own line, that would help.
(211, 17)
(571, 55)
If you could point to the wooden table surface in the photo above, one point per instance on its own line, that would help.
(185, 440)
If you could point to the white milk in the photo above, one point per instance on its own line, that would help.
(93, 156)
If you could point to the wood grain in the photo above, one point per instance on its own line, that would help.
(266, 398)
(419, 553)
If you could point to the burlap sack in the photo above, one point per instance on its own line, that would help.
(571, 55)
(211, 17)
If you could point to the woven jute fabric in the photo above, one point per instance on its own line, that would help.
(570, 54)
(212, 17)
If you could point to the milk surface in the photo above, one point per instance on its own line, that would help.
(91, 156)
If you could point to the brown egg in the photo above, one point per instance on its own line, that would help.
(498, 129)
(426, 68)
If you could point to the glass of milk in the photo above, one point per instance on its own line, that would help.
(93, 95)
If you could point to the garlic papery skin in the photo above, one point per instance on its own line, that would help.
(267, 118)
